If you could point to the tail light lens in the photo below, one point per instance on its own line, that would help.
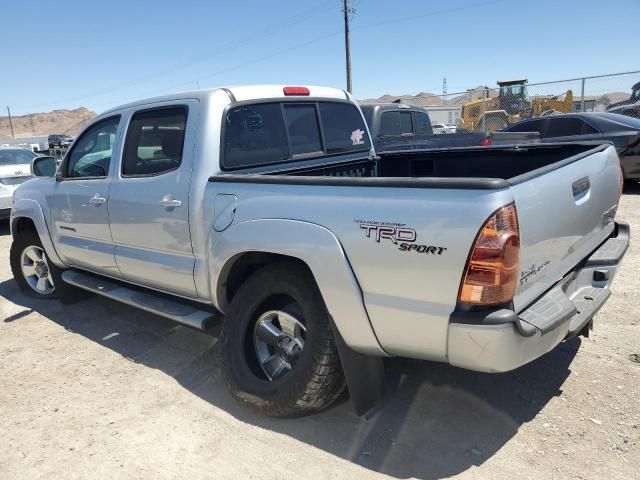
(621, 183)
(492, 268)
(486, 142)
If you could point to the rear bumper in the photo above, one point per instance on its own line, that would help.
(502, 340)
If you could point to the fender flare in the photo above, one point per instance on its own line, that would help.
(321, 251)
(27, 208)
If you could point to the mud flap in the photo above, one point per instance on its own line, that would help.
(364, 375)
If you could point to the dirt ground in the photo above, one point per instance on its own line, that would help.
(100, 390)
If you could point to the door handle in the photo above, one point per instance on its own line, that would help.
(97, 199)
(170, 203)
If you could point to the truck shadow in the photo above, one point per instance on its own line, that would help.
(4, 228)
(438, 420)
(631, 187)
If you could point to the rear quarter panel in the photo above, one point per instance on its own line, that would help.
(408, 295)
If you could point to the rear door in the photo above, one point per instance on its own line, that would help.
(564, 214)
(149, 199)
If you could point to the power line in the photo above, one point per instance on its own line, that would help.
(227, 47)
(235, 67)
(295, 47)
(298, 46)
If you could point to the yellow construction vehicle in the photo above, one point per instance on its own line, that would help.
(512, 104)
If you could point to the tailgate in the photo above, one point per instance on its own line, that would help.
(565, 211)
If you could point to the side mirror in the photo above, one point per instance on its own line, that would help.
(43, 167)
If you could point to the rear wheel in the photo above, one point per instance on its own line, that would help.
(279, 352)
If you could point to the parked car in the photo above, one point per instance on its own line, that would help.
(268, 208)
(630, 106)
(59, 141)
(15, 168)
(440, 128)
(621, 130)
(395, 127)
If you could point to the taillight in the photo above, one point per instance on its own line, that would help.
(621, 182)
(492, 268)
(296, 91)
(486, 142)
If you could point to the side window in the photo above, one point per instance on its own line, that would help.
(563, 127)
(530, 126)
(302, 125)
(390, 124)
(421, 124)
(154, 142)
(587, 129)
(91, 154)
(406, 126)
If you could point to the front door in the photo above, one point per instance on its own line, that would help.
(79, 210)
(149, 199)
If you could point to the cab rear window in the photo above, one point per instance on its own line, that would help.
(268, 133)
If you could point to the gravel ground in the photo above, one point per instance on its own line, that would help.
(100, 390)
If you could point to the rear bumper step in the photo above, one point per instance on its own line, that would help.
(503, 340)
(157, 303)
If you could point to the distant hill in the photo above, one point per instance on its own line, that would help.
(426, 99)
(58, 121)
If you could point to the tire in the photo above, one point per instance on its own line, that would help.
(55, 287)
(315, 378)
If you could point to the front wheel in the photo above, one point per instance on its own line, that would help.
(31, 267)
(35, 274)
(280, 355)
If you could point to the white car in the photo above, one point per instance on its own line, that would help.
(15, 168)
(440, 128)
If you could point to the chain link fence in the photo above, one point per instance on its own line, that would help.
(488, 108)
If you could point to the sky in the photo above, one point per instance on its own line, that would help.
(72, 53)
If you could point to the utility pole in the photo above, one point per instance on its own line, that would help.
(33, 127)
(444, 88)
(347, 10)
(10, 123)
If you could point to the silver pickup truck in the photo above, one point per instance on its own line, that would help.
(268, 209)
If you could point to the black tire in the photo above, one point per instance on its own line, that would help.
(316, 380)
(62, 291)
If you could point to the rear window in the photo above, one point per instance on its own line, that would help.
(421, 124)
(563, 127)
(394, 124)
(268, 133)
(15, 157)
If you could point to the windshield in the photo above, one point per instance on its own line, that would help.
(15, 156)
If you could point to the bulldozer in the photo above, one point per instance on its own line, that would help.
(512, 104)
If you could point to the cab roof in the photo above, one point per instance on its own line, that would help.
(238, 93)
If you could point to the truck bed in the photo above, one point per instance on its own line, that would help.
(565, 195)
(469, 167)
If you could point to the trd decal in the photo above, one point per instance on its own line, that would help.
(399, 234)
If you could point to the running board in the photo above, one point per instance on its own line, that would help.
(157, 303)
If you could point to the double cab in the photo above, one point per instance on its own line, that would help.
(268, 208)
